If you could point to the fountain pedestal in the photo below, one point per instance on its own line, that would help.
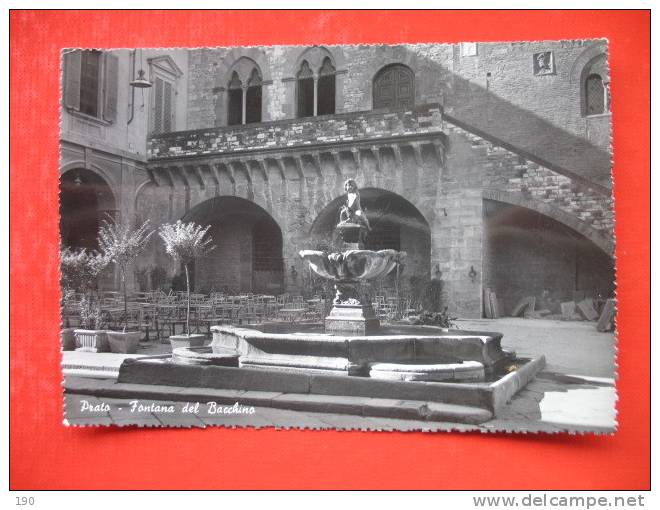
(358, 320)
(351, 314)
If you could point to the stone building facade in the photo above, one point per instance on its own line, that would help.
(489, 163)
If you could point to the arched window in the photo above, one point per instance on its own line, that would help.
(394, 87)
(305, 90)
(595, 95)
(595, 85)
(253, 98)
(326, 89)
(235, 100)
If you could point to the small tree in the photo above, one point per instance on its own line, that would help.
(121, 243)
(185, 242)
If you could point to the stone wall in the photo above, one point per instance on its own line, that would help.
(494, 90)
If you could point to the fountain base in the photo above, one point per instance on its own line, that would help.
(352, 319)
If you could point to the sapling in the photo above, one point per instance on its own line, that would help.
(185, 242)
(121, 243)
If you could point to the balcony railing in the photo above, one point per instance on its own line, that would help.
(336, 129)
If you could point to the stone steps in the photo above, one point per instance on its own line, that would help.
(338, 404)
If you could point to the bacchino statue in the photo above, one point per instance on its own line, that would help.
(353, 223)
(352, 211)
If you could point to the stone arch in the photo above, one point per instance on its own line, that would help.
(249, 246)
(243, 67)
(256, 55)
(402, 93)
(582, 61)
(86, 200)
(315, 55)
(527, 253)
(108, 177)
(597, 237)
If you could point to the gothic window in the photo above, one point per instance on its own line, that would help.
(90, 83)
(394, 87)
(305, 90)
(326, 89)
(595, 95)
(235, 101)
(253, 99)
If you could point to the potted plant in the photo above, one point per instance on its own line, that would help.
(91, 336)
(70, 270)
(185, 242)
(80, 270)
(121, 243)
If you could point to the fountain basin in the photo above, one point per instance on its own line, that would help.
(277, 346)
(352, 265)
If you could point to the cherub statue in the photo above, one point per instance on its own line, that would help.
(352, 211)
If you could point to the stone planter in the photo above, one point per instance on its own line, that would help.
(125, 343)
(187, 341)
(68, 339)
(91, 340)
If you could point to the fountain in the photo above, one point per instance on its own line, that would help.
(351, 354)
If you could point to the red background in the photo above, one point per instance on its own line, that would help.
(47, 455)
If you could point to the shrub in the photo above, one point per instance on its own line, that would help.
(441, 319)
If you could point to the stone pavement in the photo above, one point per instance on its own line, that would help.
(575, 391)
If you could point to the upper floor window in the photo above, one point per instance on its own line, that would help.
(90, 83)
(235, 100)
(306, 90)
(164, 74)
(394, 87)
(316, 90)
(162, 106)
(253, 98)
(596, 87)
(326, 89)
(244, 98)
(595, 95)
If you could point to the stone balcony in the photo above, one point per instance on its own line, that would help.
(353, 128)
(342, 144)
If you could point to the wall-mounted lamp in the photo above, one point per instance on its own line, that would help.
(472, 274)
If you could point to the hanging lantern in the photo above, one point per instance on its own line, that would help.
(141, 81)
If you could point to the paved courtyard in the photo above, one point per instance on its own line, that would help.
(575, 391)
